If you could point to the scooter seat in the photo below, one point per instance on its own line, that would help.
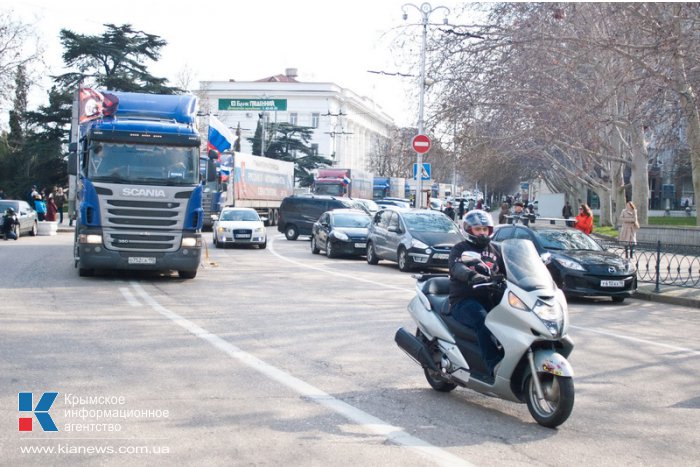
(437, 290)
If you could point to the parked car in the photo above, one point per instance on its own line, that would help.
(28, 219)
(577, 263)
(366, 205)
(411, 237)
(239, 226)
(399, 202)
(298, 213)
(341, 232)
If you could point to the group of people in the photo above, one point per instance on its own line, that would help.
(48, 207)
(463, 207)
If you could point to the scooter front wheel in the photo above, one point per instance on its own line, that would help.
(558, 402)
(435, 380)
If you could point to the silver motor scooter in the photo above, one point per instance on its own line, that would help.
(529, 324)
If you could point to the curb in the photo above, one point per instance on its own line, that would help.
(668, 299)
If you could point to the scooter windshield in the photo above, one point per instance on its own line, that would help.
(524, 267)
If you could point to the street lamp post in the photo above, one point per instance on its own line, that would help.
(425, 9)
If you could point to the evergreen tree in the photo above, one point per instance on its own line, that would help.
(113, 60)
(291, 143)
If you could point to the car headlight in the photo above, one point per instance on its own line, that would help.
(552, 315)
(569, 263)
(339, 235)
(220, 229)
(259, 231)
(418, 244)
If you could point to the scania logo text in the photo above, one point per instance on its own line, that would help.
(146, 192)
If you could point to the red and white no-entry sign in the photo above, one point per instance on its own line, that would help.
(421, 144)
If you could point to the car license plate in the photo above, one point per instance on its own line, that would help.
(441, 256)
(360, 245)
(142, 260)
(612, 283)
(242, 236)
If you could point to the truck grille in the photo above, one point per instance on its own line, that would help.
(140, 225)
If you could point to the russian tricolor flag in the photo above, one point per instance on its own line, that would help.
(220, 137)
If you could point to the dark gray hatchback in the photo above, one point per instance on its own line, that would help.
(413, 238)
(298, 214)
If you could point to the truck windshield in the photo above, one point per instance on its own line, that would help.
(329, 189)
(143, 163)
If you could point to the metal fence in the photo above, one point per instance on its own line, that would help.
(660, 263)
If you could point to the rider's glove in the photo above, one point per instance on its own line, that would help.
(479, 279)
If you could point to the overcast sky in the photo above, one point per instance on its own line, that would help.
(326, 40)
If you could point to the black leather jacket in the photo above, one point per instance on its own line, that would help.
(461, 275)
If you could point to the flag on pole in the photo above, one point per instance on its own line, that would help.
(90, 104)
(220, 137)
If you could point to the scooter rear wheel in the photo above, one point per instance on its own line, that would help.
(558, 400)
(435, 380)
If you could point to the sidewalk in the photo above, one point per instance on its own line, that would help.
(672, 295)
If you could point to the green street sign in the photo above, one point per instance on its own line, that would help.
(252, 104)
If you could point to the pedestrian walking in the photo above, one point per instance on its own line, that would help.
(51, 209)
(461, 208)
(60, 200)
(449, 211)
(629, 224)
(566, 211)
(584, 220)
(502, 215)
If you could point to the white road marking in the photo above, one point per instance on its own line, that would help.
(129, 297)
(271, 248)
(642, 341)
(369, 422)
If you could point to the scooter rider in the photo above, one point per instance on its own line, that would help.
(468, 305)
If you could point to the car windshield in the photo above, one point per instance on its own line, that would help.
(524, 267)
(351, 220)
(566, 240)
(143, 163)
(426, 221)
(367, 205)
(239, 216)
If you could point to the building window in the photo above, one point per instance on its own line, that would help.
(293, 118)
(314, 120)
(314, 149)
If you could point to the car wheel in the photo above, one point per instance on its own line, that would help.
(34, 232)
(618, 299)
(263, 245)
(314, 246)
(329, 249)
(291, 232)
(372, 257)
(403, 260)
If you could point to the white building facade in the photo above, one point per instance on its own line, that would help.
(347, 128)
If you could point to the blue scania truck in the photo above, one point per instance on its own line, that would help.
(137, 195)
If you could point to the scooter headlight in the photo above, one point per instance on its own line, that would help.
(551, 314)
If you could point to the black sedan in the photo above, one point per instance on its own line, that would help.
(341, 232)
(578, 264)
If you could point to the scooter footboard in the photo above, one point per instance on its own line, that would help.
(549, 361)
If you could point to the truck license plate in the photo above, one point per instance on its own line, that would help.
(142, 260)
(612, 283)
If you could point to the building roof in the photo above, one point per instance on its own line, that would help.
(277, 79)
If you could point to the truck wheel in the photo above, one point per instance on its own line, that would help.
(291, 232)
(275, 215)
(86, 272)
(187, 274)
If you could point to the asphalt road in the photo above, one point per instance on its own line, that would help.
(280, 357)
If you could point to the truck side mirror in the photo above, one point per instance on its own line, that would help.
(73, 163)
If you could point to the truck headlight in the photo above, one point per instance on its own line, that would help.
(90, 238)
(190, 242)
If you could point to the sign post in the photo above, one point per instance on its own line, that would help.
(421, 144)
